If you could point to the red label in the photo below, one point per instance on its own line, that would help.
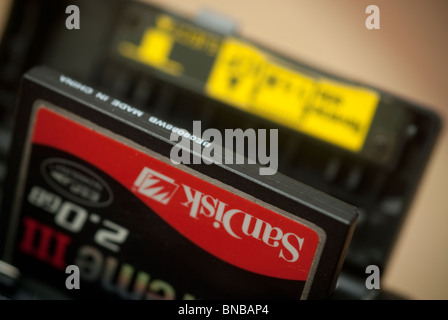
(226, 225)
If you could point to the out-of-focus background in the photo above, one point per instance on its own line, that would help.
(407, 57)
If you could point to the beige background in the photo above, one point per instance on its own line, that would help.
(408, 56)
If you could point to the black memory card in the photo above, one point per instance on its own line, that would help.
(91, 184)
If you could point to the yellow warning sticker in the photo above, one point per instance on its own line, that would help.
(155, 47)
(339, 114)
(194, 48)
(250, 79)
(254, 81)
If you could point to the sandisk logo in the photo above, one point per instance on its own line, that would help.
(239, 224)
(155, 185)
